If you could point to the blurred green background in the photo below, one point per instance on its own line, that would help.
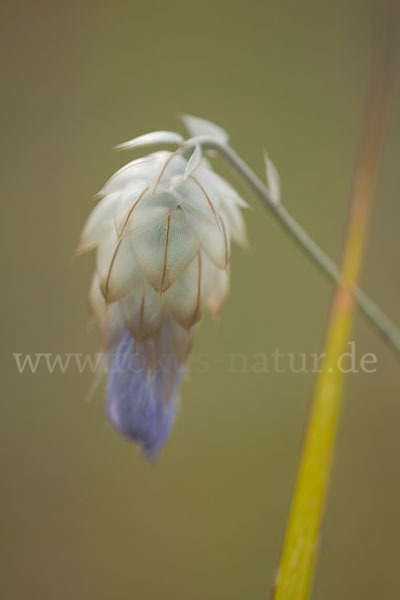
(83, 515)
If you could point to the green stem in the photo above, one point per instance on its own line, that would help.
(387, 329)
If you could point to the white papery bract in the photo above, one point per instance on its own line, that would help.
(162, 230)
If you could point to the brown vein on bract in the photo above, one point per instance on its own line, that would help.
(119, 242)
(165, 254)
(114, 256)
(170, 157)
(225, 242)
(141, 318)
(132, 208)
(107, 340)
(207, 197)
(197, 308)
(130, 166)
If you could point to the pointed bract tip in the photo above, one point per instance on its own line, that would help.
(193, 162)
(273, 180)
(82, 248)
(197, 126)
(150, 139)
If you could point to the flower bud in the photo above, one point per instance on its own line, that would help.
(162, 231)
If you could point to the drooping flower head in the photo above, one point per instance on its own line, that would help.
(162, 230)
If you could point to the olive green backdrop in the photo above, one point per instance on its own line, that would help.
(83, 515)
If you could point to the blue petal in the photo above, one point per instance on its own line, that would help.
(142, 406)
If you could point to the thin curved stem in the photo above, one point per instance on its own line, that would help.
(386, 328)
